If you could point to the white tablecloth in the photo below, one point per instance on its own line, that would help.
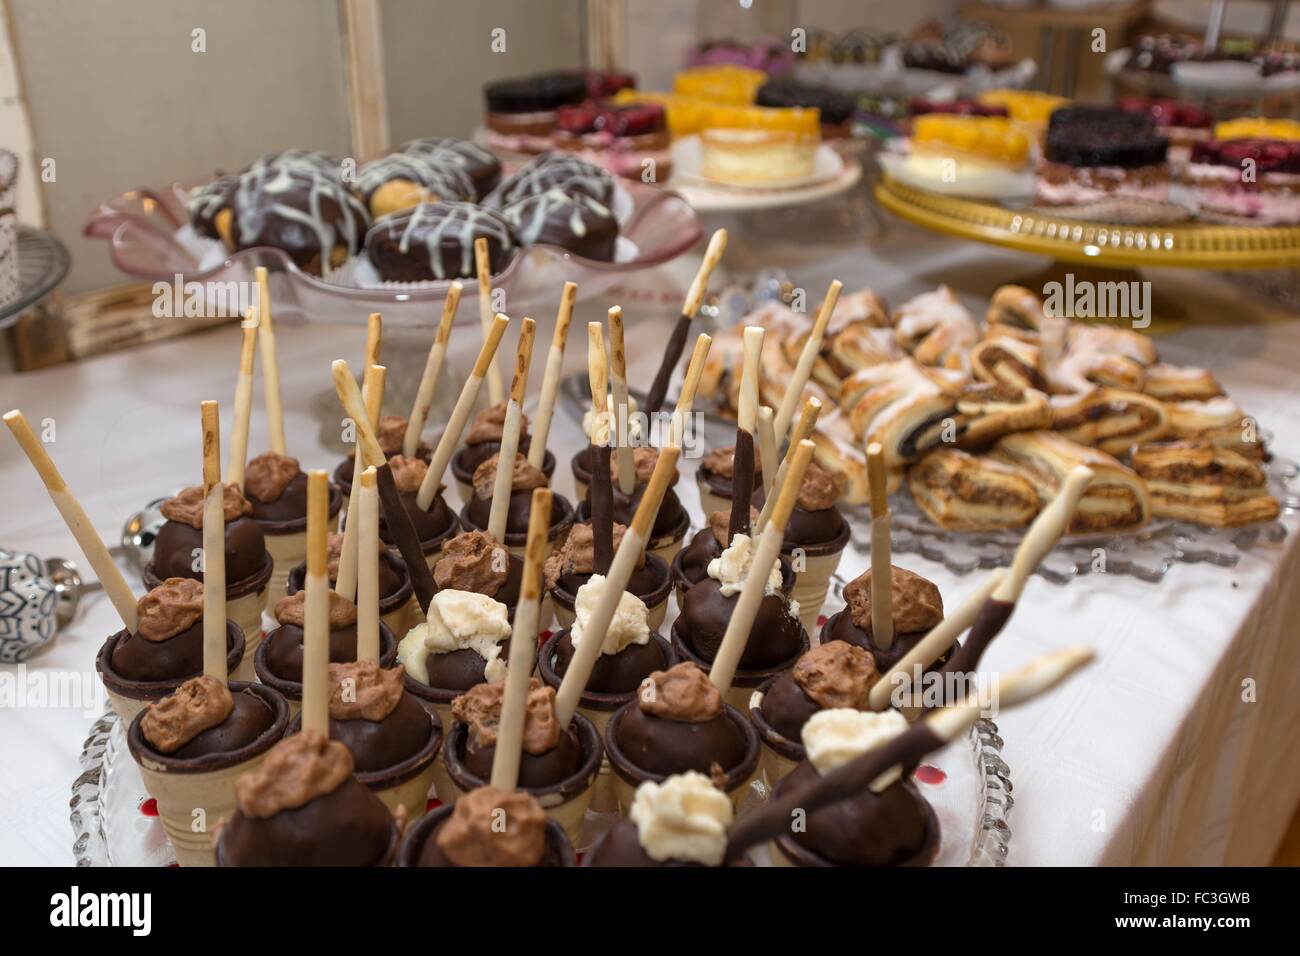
(1151, 756)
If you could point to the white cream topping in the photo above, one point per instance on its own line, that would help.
(684, 818)
(630, 625)
(457, 620)
(732, 567)
(836, 736)
(608, 421)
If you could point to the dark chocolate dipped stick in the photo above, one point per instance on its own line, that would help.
(399, 522)
(523, 647)
(601, 490)
(677, 340)
(1037, 542)
(316, 609)
(904, 752)
(882, 560)
(742, 469)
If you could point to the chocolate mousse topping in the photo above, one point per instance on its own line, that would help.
(526, 477)
(174, 606)
(295, 772)
(291, 610)
(364, 690)
(197, 705)
(681, 693)
(480, 708)
(722, 461)
(472, 561)
(720, 522)
(644, 459)
(269, 474)
(472, 835)
(408, 473)
(391, 433)
(187, 506)
(578, 555)
(334, 553)
(819, 490)
(489, 424)
(837, 674)
(917, 604)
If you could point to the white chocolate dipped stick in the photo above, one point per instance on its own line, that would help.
(882, 558)
(510, 430)
(802, 429)
(74, 516)
(927, 650)
(766, 447)
(270, 363)
(765, 554)
(630, 549)
(551, 377)
(214, 546)
(243, 404)
(618, 380)
(482, 266)
(523, 647)
(803, 367)
(372, 391)
(460, 415)
(677, 340)
(432, 371)
(690, 385)
(316, 609)
(390, 499)
(1037, 542)
(899, 754)
(368, 568)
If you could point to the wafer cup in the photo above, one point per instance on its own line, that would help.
(129, 697)
(813, 582)
(194, 794)
(565, 802)
(779, 755)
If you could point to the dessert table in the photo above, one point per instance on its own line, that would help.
(1177, 746)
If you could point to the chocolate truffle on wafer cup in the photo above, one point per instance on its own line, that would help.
(742, 586)
(509, 731)
(273, 482)
(303, 806)
(573, 564)
(193, 744)
(398, 608)
(502, 496)
(682, 821)
(858, 806)
(392, 737)
(160, 645)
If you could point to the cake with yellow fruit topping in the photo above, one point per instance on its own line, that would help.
(977, 156)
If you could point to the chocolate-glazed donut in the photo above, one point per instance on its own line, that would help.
(483, 169)
(571, 220)
(435, 241)
(552, 171)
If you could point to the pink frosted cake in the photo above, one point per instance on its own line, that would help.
(1251, 180)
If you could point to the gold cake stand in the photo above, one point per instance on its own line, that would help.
(1098, 251)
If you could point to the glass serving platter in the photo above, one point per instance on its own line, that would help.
(145, 230)
(114, 822)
